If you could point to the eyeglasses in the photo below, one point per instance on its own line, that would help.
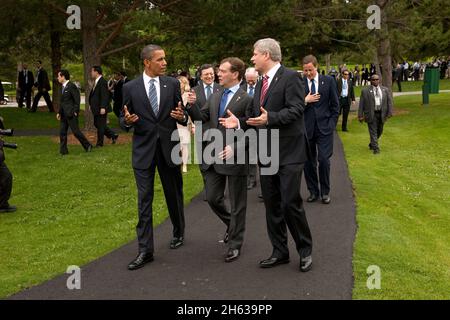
(345, 74)
(374, 79)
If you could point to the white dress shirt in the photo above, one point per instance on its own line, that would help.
(157, 86)
(316, 83)
(271, 74)
(344, 93)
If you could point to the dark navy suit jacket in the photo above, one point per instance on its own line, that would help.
(325, 112)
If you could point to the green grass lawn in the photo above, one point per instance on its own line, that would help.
(20, 119)
(411, 86)
(403, 202)
(72, 209)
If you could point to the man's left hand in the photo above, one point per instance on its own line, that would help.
(102, 111)
(259, 121)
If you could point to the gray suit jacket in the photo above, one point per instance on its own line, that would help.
(241, 106)
(201, 97)
(367, 104)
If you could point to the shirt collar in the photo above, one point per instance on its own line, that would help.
(205, 85)
(147, 79)
(65, 83)
(316, 79)
(273, 71)
(235, 88)
(97, 80)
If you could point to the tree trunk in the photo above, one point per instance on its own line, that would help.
(328, 63)
(55, 40)
(384, 46)
(90, 56)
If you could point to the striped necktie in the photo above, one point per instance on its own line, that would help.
(265, 87)
(153, 96)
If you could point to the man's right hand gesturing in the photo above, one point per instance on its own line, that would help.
(129, 118)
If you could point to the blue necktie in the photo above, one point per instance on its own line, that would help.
(252, 91)
(313, 87)
(223, 102)
(153, 96)
(208, 92)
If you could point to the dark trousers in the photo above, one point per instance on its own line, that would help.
(117, 108)
(253, 168)
(102, 128)
(284, 207)
(375, 130)
(172, 183)
(321, 147)
(344, 110)
(71, 123)
(399, 84)
(234, 219)
(47, 99)
(25, 95)
(5, 185)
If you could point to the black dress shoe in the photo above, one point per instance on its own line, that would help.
(176, 243)
(226, 237)
(312, 198)
(140, 261)
(89, 148)
(272, 262)
(326, 199)
(370, 147)
(376, 151)
(232, 255)
(8, 209)
(305, 264)
(344, 130)
(114, 139)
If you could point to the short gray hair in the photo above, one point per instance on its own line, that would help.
(270, 46)
(251, 71)
(147, 52)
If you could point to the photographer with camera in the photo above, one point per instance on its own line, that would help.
(5, 177)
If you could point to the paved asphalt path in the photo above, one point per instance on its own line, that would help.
(197, 270)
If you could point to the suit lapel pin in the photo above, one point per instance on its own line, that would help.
(238, 98)
(165, 86)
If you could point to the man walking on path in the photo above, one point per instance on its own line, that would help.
(375, 107)
(278, 105)
(153, 106)
(321, 115)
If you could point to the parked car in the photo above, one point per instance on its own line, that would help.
(7, 87)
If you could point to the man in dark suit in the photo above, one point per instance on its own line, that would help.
(6, 183)
(43, 86)
(251, 78)
(153, 106)
(227, 110)
(25, 84)
(118, 94)
(321, 115)
(99, 101)
(69, 111)
(278, 107)
(375, 107)
(346, 97)
(203, 91)
(397, 75)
